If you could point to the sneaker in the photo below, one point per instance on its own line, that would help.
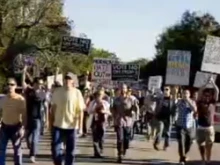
(156, 147)
(119, 160)
(32, 159)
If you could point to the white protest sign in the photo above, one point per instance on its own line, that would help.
(102, 69)
(155, 82)
(202, 78)
(51, 79)
(178, 67)
(211, 57)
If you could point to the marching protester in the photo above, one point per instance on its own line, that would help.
(186, 108)
(67, 118)
(100, 109)
(148, 111)
(13, 107)
(122, 114)
(35, 99)
(206, 109)
(165, 114)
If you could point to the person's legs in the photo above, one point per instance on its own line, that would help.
(70, 146)
(16, 142)
(159, 133)
(56, 145)
(209, 143)
(201, 140)
(180, 133)
(101, 138)
(167, 132)
(190, 134)
(120, 139)
(35, 139)
(95, 135)
(3, 144)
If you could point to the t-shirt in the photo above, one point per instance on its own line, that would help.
(165, 111)
(69, 105)
(35, 103)
(205, 113)
(12, 109)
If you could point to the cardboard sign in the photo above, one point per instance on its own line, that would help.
(178, 67)
(102, 69)
(202, 78)
(211, 57)
(76, 45)
(51, 79)
(125, 72)
(155, 82)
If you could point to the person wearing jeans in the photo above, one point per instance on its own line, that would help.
(186, 108)
(13, 107)
(122, 113)
(164, 114)
(67, 118)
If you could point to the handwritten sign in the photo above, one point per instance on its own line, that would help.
(76, 45)
(155, 82)
(51, 79)
(125, 72)
(202, 78)
(178, 67)
(102, 69)
(211, 57)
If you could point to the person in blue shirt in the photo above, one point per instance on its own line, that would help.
(186, 108)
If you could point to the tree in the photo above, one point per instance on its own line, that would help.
(187, 34)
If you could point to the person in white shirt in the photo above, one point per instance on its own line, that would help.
(99, 109)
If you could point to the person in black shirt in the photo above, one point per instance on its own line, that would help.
(164, 113)
(206, 109)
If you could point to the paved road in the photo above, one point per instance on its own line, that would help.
(141, 153)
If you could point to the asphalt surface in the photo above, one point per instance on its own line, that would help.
(141, 152)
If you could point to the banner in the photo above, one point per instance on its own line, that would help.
(76, 45)
(202, 78)
(178, 67)
(211, 57)
(155, 82)
(125, 72)
(102, 69)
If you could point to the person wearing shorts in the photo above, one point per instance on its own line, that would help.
(205, 131)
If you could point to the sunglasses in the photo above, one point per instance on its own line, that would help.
(11, 84)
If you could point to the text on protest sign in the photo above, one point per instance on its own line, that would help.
(202, 78)
(155, 82)
(211, 57)
(75, 45)
(178, 67)
(102, 69)
(125, 72)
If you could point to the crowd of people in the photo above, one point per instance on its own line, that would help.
(67, 111)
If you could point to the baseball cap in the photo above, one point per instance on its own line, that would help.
(70, 75)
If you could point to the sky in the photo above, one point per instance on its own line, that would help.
(130, 28)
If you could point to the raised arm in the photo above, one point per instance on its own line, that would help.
(216, 89)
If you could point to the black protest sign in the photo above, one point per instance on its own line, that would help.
(125, 72)
(76, 45)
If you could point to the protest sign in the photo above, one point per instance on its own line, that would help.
(178, 67)
(51, 79)
(102, 69)
(125, 72)
(211, 57)
(155, 82)
(76, 45)
(202, 78)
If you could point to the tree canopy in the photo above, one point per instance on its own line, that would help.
(36, 28)
(188, 34)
